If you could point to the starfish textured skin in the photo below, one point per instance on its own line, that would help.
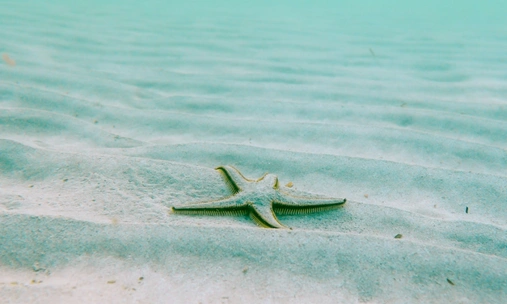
(260, 198)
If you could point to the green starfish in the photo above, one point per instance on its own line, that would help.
(260, 198)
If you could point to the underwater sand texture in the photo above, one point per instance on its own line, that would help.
(111, 114)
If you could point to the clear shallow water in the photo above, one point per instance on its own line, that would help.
(418, 84)
(398, 106)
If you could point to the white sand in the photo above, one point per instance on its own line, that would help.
(110, 114)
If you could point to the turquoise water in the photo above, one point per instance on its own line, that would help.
(287, 61)
(113, 111)
(257, 50)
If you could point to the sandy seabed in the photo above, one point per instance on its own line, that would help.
(110, 114)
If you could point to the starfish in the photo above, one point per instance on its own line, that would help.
(260, 198)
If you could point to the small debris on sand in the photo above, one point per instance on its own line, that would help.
(10, 62)
(398, 236)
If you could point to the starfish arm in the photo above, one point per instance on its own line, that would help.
(264, 216)
(235, 180)
(232, 205)
(288, 204)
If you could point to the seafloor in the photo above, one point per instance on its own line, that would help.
(111, 112)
